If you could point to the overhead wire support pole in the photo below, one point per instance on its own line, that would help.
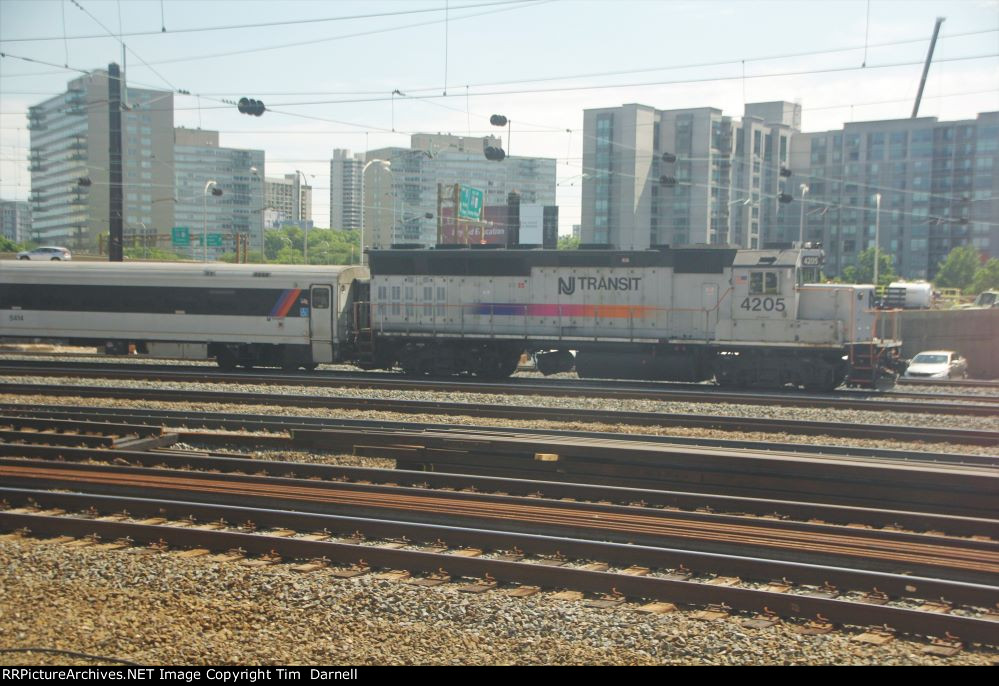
(926, 66)
(116, 195)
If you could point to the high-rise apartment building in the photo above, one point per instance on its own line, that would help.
(290, 199)
(346, 190)
(401, 199)
(15, 220)
(70, 141)
(938, 182)
(238, 173)
(685, 176)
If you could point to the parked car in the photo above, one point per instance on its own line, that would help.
(987, 299)
(937, 364)
(49, 252)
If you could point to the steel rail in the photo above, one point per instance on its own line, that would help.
(962, 490)
(285, 423)
(683, 562)
(964, 405)
(881, 432)
(967, 560)
(972, 629)
(959, 383)
(714, 504)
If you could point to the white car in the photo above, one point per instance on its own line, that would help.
(49, 252)
(937, 364)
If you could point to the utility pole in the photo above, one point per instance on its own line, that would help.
(877, 239)
(440, 205)
(116, 195)
(456, 203)
(926, 67)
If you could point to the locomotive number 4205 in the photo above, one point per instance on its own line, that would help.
(755, 304)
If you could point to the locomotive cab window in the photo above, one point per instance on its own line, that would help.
(809, 275)
(320, 298)
(764, 283)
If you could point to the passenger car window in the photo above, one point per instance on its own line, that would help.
(320, 298)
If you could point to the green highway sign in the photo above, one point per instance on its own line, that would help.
(214, 240)
(471, 203)
(181, 236)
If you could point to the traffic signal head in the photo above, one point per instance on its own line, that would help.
(494, 154)
(250, 106)
(497, 120)
(667, 181)
(216, 191)
(784, 198)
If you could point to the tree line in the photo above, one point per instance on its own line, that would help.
(963, 268)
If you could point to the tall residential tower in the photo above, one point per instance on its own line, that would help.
(653, 177)
(70, 141)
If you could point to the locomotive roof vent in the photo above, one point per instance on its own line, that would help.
(767, 260)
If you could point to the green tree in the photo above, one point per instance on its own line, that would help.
(274, 241)
(958, 270)
(568, 243)
(863, 271)
(326, 246)
(986, 277)
(146, 253)
(7, 245)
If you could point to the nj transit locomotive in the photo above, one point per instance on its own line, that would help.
(746, 318)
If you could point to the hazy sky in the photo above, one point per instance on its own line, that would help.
(330, 74)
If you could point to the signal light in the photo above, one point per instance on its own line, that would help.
(494, 154)
(669, 157)
(785, 172)
(84, 181)
(667, 181)
(784, 198)
(497, 120)
(216, 191)
(250, 106)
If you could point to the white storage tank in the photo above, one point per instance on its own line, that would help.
(909, 295)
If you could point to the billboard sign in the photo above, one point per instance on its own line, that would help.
(532, 224)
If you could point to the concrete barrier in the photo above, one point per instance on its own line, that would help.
(973, 333)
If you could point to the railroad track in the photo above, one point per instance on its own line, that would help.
(666, 392)
(445, 551)
(284, 426)
(694, 499)
(992, 384)
(634, 542)
(881, 432)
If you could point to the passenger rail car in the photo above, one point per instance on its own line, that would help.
(246, 315)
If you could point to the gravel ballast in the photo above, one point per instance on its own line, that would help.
(153, 607)
(985, 423)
